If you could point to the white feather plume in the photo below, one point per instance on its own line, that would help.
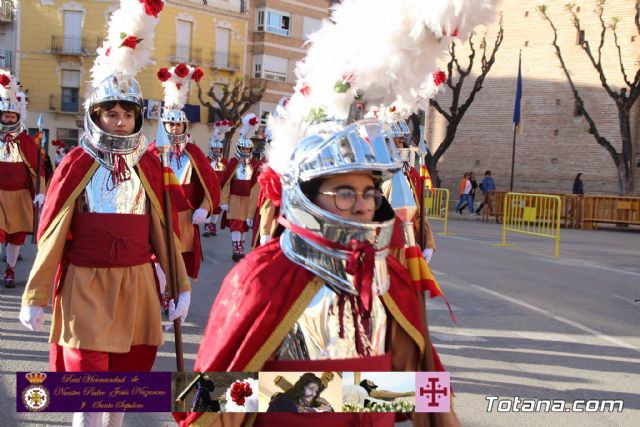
(384, 50)
(249, 126)
(176, 88)
(220, 129)
(129, 20)
(9, 91)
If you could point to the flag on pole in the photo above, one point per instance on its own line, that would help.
(517, 107)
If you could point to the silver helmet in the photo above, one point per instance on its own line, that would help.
(244, 142)
(102, 145)
(359, 147)
(173, 115)
(14, 129)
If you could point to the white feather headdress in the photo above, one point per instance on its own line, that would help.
(249, 126)
(10, 91)
(129, 45)
(384, 51)
(220, 129)
(175, 82)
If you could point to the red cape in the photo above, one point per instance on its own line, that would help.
(207, 177)
(252, 305)
(74, 170)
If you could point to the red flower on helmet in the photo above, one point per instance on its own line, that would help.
(305, 90)
(439, 77)
(163, 74)
(152, 7)
(253, 121)
(197, 74)
(130, 42)
(181, 70)
(4, 80)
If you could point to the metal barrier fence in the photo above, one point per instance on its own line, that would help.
(435, 206)
(532, 214)
(570, 213)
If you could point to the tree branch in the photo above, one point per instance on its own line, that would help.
(614, 28)
(592, 126)
(439, 109)
(587, 48)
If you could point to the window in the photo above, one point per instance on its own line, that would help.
(577, 110)
(310, 26)
(273, 21)
(580, 37)
(271, 68)
(68, 136)
(70, 99)
(72, 41)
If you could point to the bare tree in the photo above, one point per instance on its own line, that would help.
(624, 97)
(231, 100)
(456, 75)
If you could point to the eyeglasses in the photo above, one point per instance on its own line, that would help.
(345, 198)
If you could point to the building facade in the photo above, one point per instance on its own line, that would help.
(278, 32)
(57, 46)
(553, 145)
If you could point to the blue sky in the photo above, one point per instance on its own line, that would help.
(393, 381)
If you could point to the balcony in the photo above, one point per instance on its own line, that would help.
(6, 11)
(68, 103)
(186, 54)
(71, 45)
(225, 61)
(5, 59)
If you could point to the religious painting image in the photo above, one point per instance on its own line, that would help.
(378, 392)
(153, 109)
(300, 391)
(215, 391)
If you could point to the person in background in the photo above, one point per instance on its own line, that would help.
(578, 186)
(487, 186)
(465, 195)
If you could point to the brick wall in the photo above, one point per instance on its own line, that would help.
(553, 146)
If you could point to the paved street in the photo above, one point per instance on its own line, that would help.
(528, 325)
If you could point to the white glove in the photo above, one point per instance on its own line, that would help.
(224, 207)
(264, 239)
(162, 278)
(39, 200)
(250, 223)
(427, 254)
(182, 309)
(199, 216)
(32, 317)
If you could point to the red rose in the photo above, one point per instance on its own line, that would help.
(130, 42)
(152, 7)
(4, 80)
(439, 77)
(218, 124)
(181, 70)
(253, 121)
(163, 74)
(305, 90)
(197, 74)
(247, 389)
(107, 52)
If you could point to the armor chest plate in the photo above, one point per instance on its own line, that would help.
(128, 197)
(218, 166)
(181, 166)
(244, 171)
(316, 334)
(9, 152)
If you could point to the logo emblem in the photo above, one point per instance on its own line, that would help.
(36, 397)
(433, 392)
